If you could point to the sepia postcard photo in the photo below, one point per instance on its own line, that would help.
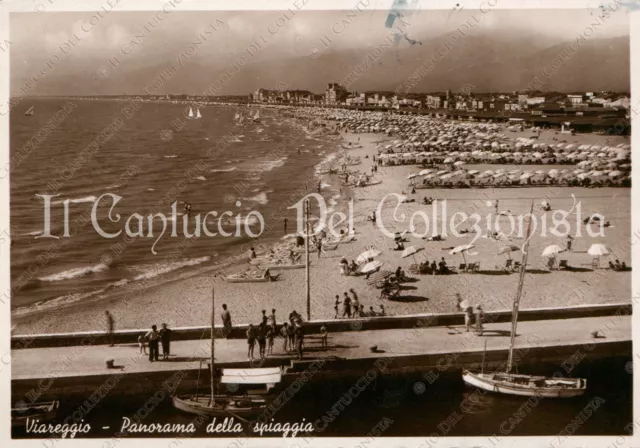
(301, 223)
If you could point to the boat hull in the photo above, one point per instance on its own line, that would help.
(225, 406)
(573, 387)
(44, 412)
(245, 280)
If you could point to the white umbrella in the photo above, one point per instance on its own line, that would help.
(408, 251)
(461, 250)
(552, 251)
(368, 254)
(371, 266)
(599, 250)
(508, 249)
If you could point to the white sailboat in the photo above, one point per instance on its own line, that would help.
(256, 117)
(29, 112)
(190, 113)
(237, 116)
(198, 115)
(518, 384)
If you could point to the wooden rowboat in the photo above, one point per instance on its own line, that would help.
(245, 280)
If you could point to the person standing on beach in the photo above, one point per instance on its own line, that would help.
(323, 336)
(264, 318)
(153, 336)
(479, 319)
(226, 321)
(165, 339)
(251, 341)
(336, 306)
(319, 247)
(291, 333)
(285, 225)
(346, 306)
(496, 207)
(110, 325)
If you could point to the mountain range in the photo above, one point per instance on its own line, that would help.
(483, 61)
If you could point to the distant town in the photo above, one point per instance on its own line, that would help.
(605, 112)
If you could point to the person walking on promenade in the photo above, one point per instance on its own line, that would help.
(262, 339)
(165, 339)
(284, 332)
(251, 341)
(270, 335)
(356, 303)
(291, 333)
(323, 336)
(299, 341)
(336, 306)
(110, 325)
(142, 344)
(226, 321)
(346, 304)
(153, 336)
(479, 319)
(468, 318)
(264, 317)
(272, 318)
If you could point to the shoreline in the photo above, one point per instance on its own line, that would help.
(179, 299)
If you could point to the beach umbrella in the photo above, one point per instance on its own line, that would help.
(552, 251)
(378, 277)
(411, 176)
(599, 250)
(408, 251)
(461, 250)
(368, 254)
(508, 249)
(458, 163)
(371, 266)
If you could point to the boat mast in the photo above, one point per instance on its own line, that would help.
(213, 345)
(516, 301)
(307, 273)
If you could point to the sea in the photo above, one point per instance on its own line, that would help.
(150, 154)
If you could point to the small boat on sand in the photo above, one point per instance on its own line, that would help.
(246, 278)
(43, 411)
(282, 266)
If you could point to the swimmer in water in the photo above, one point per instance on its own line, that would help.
(187, 207)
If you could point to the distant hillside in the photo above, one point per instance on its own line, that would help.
(488, 61)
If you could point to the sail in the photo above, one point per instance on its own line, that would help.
(257, 115)
(198, 114)
(190, 113)
(237, 116)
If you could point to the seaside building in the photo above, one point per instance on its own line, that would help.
(335, 93)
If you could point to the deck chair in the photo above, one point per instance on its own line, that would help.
(508, 265)
(595, 263)
(462, 267)
(476, 267)
(390, 294)
(563, 264)
(517, 265)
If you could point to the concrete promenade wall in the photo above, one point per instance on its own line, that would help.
(532, 360)
(313, 327)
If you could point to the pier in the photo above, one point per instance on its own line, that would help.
(75, 372)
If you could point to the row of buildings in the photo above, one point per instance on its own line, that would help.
(538, 104)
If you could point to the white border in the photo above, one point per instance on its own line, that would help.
(7, 6)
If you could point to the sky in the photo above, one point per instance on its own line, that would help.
(97, 39)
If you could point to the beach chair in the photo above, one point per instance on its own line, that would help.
(508, 265)
(390, 293)
(595, 263)
(516, 266)
(563, 264)
(475, 267)
(462, 267)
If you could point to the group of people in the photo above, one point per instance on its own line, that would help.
(352, 308)
(617, 266)
(153, 338)
(433, 268)
(267, 330)
(347, 268)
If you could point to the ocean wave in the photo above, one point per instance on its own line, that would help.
(74, 273)
(271, 165)
(224, 170)
(260, 198)
(151, 189)
(170, 267)
(78, 200)
(201, 178)
(170, 157)
(45, 305)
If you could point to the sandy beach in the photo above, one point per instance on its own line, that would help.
(186, 300)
